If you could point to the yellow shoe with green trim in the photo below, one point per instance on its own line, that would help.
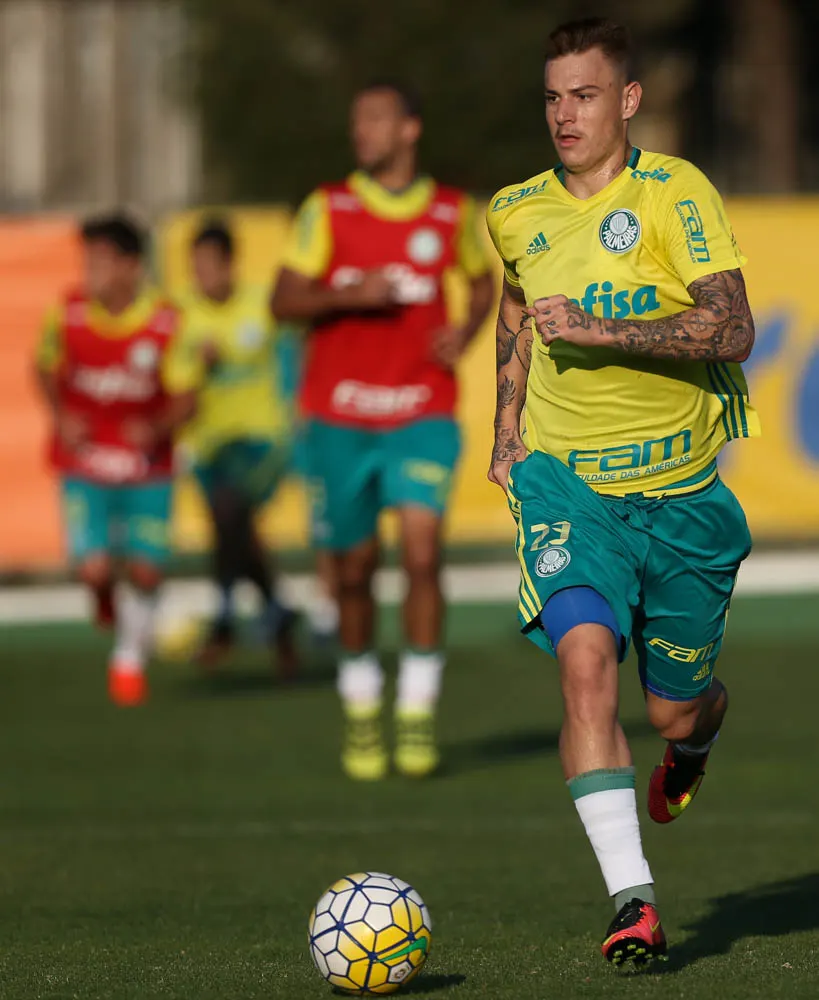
(364, 756)
(416, 755)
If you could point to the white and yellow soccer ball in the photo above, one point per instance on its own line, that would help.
(369, 934)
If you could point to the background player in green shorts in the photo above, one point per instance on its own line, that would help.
(365, 270)
(622, 320)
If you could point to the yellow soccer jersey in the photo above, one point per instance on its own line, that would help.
(241, 396)
(623, 423)
(310, 249)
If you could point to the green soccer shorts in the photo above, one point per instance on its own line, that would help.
(131, 520)
(354, 473)
(248, 467)
(667, 566)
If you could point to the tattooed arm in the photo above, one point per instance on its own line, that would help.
(513, 341)
(718, 327)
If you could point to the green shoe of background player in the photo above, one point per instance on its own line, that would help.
(416, 755)
(364, 756)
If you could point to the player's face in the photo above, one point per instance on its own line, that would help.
(110, 275)
(588, 104)
(213, 271)
(381, 129)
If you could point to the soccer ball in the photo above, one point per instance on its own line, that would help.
(369, 934)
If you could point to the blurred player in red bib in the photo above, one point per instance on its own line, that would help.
(100, 367)
(365, 268)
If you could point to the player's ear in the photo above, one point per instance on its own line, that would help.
(413, 129)
(632, 95)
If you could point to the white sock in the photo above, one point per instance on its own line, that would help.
(610, 819)
(136, 612)
(360, 681)
(419, 681)
(322, 613)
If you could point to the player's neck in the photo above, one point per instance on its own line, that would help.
(587, 183)
(395, 177)
(115, 303)
(221, 295)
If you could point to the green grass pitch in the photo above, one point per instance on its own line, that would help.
(176, 851)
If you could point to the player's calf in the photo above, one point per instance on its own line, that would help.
(96, 573)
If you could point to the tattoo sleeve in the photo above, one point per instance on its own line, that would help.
(718, 327)
(513, 341)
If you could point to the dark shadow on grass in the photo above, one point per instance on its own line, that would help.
(433, 983)
(772, 910)
(506, 748)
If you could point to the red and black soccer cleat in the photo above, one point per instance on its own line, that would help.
(635, 935)
(673, 784)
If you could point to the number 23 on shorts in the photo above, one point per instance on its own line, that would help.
(549, 534)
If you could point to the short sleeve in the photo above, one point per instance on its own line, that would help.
(493, 224)
(697, 236)
(183, 367)
(50, 348)
(470, 250)
(310, 245)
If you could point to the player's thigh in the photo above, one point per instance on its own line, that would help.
(697, 548)
(568, 536)
(418, 463)
(342, 484)
(87, 516)
(146, 521)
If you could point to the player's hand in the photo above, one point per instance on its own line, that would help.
(558, 318)
(374, 291)
(509, 448)
(72, 430)
(140, 434)
(448, 343)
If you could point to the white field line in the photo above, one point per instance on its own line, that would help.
(762, 573)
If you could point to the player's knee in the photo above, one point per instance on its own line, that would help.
(354, 569)
(589, 675)
(95, 571)
(144, 576)
(673, 720)
(422, 561)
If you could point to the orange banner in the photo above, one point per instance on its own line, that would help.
(38, 257)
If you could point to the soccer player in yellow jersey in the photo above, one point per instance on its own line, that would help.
(622, 323)
(238, 441)
(365, 270)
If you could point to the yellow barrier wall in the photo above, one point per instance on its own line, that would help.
(776, 477)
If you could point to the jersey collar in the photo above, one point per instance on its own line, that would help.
(395, 205)
(127, 322)
(560, 174)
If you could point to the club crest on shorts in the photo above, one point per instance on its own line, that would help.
(620, 230)
(552, 560)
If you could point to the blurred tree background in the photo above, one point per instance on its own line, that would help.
(731, 84)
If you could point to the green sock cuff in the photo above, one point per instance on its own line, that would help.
(603, 780)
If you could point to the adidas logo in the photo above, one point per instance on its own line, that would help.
(538, 245)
